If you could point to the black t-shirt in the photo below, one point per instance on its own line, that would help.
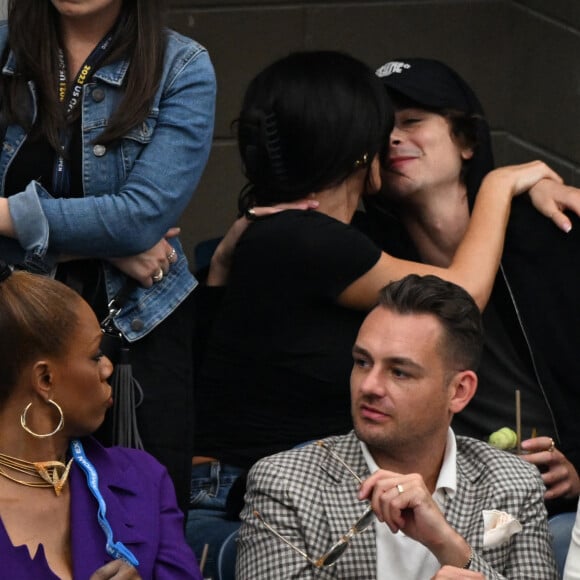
(35, 160)
(277, 366)
(504, 368)
(505, 365)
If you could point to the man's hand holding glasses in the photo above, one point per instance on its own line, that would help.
(405, 504)
(332, 555)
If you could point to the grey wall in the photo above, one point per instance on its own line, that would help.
(519, 56)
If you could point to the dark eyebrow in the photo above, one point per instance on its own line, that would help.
(412, 110)
(405, 362)
(360, 351)
(394, 360)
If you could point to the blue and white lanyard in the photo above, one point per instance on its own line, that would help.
(115, 549)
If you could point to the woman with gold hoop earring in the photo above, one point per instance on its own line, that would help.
(70, 508)
(107, 124)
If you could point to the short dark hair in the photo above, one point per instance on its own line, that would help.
(37, 318)
(453, 307)
(308, 121)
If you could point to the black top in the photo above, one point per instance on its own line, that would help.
(532, 322)
(35, 160)
(505, 367)
(542, 266)
(278, 362)
(506, 364)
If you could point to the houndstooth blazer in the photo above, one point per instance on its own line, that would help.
(311, 499)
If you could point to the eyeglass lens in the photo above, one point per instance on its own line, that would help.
(338, 549)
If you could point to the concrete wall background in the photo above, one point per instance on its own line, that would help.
(520, 56)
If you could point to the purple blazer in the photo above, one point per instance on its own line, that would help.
(142, 511)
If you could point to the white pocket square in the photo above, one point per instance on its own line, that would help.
(498, 527)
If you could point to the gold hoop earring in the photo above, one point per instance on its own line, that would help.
(38, 435)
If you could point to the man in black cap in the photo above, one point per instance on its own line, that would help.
(439, 152)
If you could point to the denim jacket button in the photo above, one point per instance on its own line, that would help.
(99, 150)
(98, 95)
(137, 324)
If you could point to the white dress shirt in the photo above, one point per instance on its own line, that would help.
(572, 569)
(399, 556)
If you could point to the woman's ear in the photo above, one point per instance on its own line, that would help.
(42, 379)
(466, 153)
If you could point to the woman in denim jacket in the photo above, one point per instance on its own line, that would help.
(108, 121)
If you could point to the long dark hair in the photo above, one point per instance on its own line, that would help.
(34, 39)
(307, 122)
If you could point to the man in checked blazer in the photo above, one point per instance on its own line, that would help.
(444, 507)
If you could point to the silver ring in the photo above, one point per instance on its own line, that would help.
(400, 488)
(157, 277)
(172, 256)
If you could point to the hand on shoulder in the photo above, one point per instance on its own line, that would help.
(521, 178)
(553, 198)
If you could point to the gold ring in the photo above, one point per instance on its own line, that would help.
(552, 446)
(400, 488)
(172, 256)
(157, 277)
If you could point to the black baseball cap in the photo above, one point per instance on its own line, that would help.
(430, 83)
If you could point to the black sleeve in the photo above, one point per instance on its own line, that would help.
(336, 254)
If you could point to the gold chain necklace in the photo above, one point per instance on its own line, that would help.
(46, 473)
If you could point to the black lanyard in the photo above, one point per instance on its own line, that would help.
(71, 100)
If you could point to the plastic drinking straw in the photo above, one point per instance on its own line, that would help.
(518, 421)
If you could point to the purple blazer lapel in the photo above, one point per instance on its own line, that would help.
(116, 480)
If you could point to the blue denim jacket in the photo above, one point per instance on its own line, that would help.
(134, 192)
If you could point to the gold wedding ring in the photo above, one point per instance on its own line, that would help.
(157, 277)
(400, 488)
